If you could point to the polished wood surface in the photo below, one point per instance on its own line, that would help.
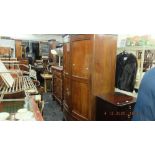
(118, 99)
(80, 100)
(37, 114)
(67, 93)
(81, 51)
(114, 107)
(104, 64)
(91, 65)
(67, 79)
(18, 49)
(57, 87)
(81, 54)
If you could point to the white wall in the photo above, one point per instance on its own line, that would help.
(8, 43)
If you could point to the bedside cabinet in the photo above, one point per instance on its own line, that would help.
(114, 107)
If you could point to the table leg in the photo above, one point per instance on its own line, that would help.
(45, 86)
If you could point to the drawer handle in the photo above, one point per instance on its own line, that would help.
(68, 92)
(73, 64)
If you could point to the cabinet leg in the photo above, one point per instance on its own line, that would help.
(64, 119)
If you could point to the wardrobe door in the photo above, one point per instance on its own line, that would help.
(80, 70)
(80, 100)
(81, 51)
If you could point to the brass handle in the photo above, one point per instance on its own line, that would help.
(73, 64)
(67, 91)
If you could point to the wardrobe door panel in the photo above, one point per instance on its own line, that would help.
(80, 100)
(81, 51)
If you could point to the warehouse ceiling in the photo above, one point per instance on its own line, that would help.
(36, 37)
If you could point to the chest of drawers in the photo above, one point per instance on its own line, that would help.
(57, 87)
(114, 107)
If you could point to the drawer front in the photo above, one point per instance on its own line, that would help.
(106, 111)
(57, 87)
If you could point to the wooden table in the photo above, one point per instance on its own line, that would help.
(46, 77)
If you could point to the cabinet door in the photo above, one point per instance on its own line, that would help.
(67, 93)
(18, 49)
(80, 100)
(80, 63)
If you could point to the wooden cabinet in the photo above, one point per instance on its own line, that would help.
(18, 45)
(114, 107)
(57, 88)
(89, 70)
(5, 51)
